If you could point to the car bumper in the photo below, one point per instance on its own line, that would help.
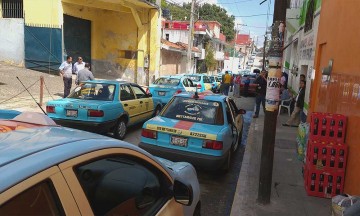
(207, 162)
(98, 127)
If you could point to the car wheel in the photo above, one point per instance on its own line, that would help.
(227, 164)
(197, 211)
(120, 129)
(157, 111)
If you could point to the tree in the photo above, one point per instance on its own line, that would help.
(209, 60)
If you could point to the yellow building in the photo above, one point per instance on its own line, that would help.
(120, 38)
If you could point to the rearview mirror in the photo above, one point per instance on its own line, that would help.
(241, 111)
(183, 193)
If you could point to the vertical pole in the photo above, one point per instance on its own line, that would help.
(41, 90)
(264, 54)
(190, 38)
(233, 59)
(268, 142)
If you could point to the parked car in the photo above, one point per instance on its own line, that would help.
(204, 130)
(8, 114)
(201, 81)
(47, 169)
(104, 106)
(215, 82)
(167, 86)
(252, 86)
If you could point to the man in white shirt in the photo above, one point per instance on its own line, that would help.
(66, 73)
(79, 65)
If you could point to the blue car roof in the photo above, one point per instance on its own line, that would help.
(172, 76)
(107, 81)
(203, 96)
(25, 152)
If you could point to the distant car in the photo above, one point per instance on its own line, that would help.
(215, 82)
(204, 131)
(167, 86)
(252, 86)
(201, 81)
(104, 106)
(47, 169)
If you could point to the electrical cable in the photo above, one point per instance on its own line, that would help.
(19, 93)
(48, 90)
(254, 15)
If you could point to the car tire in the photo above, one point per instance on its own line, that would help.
(197, 211)
(120, 129)
(157, 111)
(227, 164)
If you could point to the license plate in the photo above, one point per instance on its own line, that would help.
(179, 141)
(161, 93)
(71, 113)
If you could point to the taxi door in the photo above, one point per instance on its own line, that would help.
(235, 125)
(145, 103)
(129, 103)
(188, 85)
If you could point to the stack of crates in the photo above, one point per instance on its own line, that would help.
(326, 155)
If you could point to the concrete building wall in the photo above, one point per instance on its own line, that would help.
(12, 41)
(172, 63)
(43, 12)
(338, 40)
(176, 35)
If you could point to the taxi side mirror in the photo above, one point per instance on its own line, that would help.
(183, 193)
(149, 95)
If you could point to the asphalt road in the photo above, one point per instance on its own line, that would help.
(217, 190)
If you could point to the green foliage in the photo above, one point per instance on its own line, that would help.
(213, 12)
(209, 12)
(210, 60)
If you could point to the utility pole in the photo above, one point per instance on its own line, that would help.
(190, 37)
(272, 104)
(232, 62)
(264, 53)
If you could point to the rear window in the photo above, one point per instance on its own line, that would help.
(167, 81)
(195, 78)
(212, 79)
(93, 91)
(200, 111)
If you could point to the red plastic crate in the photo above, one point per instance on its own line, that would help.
(326, 156)
(328, 127)
(323, 184)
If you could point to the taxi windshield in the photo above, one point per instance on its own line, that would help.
(93, 91)
(195, 110)
(167, 81)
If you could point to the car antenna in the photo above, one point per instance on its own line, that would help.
(31, 96)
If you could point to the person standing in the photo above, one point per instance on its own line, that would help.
(66, 73)
(260, 92)
(246, 86)
(227, 82)
(79, 65)
(84, 74)
(237, 83)
(295, 115)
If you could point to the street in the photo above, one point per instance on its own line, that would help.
(217, 190)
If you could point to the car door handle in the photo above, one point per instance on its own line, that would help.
(125, 105)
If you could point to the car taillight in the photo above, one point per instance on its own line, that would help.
(95, 113)
(50, 109)
(149, 133)
(178, 91)
(213, 144)
(198, 86)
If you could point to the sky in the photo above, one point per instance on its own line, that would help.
(241, 8)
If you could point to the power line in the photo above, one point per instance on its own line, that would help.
(254, 15)
(236, 2)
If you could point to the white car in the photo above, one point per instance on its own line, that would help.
(47, 169)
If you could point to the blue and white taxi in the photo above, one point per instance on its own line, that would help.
(204, 129)
(104, 106)
(165, 87)
(47, 169)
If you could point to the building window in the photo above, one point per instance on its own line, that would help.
(309, 16)
(12, 8)
(167, 37)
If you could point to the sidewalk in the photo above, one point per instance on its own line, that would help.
(288, 196)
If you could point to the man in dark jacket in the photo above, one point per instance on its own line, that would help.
(294, 120)
(260, 92)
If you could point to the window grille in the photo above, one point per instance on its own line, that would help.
(12, 8)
